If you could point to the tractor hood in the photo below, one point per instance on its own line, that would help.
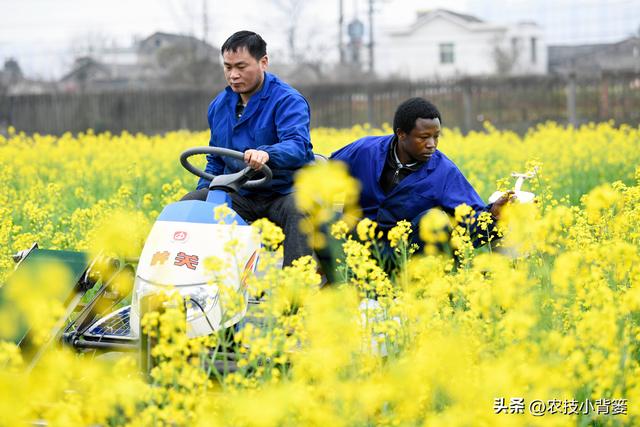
(188, 253)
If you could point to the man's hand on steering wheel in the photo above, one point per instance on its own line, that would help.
(241, 179)
(256, 158)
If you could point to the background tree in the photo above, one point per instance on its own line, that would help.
(504, 58)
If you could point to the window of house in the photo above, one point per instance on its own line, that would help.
(515, 46)
(534, 50)
(446, 53)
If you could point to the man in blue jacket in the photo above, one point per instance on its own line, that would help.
(266, 119)
(404, 175)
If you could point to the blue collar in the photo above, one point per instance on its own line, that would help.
(252, 106)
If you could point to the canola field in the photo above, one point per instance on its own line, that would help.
(547, 333)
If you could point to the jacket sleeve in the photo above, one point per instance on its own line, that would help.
(346, 154)
(343, 153)
(458, 190)
(293, 149)
(215, 164)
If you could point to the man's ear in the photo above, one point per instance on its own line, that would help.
(264, 62)
(401, 134)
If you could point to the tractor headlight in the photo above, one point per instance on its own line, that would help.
(201, 302)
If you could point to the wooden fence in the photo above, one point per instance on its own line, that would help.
(513, 103)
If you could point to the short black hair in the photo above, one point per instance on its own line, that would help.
(411, 110)
(256, 46)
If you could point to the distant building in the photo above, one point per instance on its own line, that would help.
(13, 82)
(164, 49)
(90, 74)
(594, 59)
(117, 55)
(160, 60)
(443, 44)
(298, 73)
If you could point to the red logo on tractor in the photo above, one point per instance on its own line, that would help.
(180, 236)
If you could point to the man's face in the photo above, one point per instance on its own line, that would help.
(243, 72)
(419, 144)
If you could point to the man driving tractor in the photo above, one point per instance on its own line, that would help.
(268, 120)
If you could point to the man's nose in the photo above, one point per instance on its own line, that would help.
(431, 142)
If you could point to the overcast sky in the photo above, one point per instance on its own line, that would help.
(43, 34)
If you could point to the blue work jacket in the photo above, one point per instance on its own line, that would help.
(275, 120)
(437, 183)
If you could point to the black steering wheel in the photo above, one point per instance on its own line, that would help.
(243, 178)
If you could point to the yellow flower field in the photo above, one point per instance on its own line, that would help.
(547, 335)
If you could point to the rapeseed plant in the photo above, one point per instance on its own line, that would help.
(552, 313)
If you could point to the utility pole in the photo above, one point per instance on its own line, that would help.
(340, 30)
(205, 21)
(572, 114)
(371, 44)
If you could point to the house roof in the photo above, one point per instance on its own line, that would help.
(170, 35)
(462, 16)
(469, 22)
(111, 71)
(560, 54)
(175, 38)
(81, 64)
(591, 57)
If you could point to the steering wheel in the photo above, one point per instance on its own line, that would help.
(243, 178)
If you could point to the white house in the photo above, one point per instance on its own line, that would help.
(443, 44)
